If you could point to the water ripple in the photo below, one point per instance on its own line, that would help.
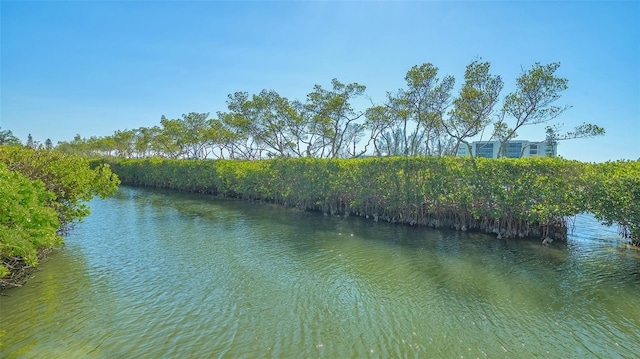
(161, 274)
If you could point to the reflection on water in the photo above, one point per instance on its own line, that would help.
(164, 274)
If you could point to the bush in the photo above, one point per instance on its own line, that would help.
(27, 224)
(70, 178)
(41, 193)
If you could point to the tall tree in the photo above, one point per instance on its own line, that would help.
(418, 110)
(217, 138)
(474, 106)
(124, 142)
(532, 103)
(242, 131)
(378, 122)
(270, 120)
(167, 142)
(333, 119)
(30, 142)
(106, 146)
(144, 139)
(194, 127)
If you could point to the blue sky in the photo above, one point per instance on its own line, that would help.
(92, 68)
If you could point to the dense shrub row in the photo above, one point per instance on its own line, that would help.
(41, 192)
(510, 197)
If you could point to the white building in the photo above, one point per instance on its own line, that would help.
(514, 149)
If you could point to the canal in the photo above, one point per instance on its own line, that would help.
(160, 274)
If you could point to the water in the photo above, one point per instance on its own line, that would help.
(155, 274)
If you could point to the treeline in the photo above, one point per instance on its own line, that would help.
(42, 192)
(425, 117)
(530, 197)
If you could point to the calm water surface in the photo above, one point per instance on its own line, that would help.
(156, 274)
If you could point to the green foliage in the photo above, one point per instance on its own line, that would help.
(586, 130)
(509, 197)
(473, 108)
(26, 222)
(537, 89)
(40, 191)
(532, 103)
(614, 196)
(332, 119)
(417, 113)
(8, 139)
(188, 135)
(69, 178)
(270, 119)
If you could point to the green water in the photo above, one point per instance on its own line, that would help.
(156, 274)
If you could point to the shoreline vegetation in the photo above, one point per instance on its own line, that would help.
(510, 198)
(42, 194)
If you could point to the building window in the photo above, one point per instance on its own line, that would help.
(484, 150)
(533, 150)
(514, 149)
(550, 150)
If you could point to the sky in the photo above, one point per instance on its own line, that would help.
(94, 67)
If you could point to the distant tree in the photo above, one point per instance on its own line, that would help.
(7, 138)
(332, 119)
(241, 128)
(394, 143)
(48, 144)
(104, 146)
(193, 127)
(473, 108)
(124, 143)
(217, 138)
(143, 141)
(554, 135)
(420, 119)
(30, 142)
(76, 147)
(169, 140)
(271, 122)
(378, 122)
(532, 101)
(417, 111)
